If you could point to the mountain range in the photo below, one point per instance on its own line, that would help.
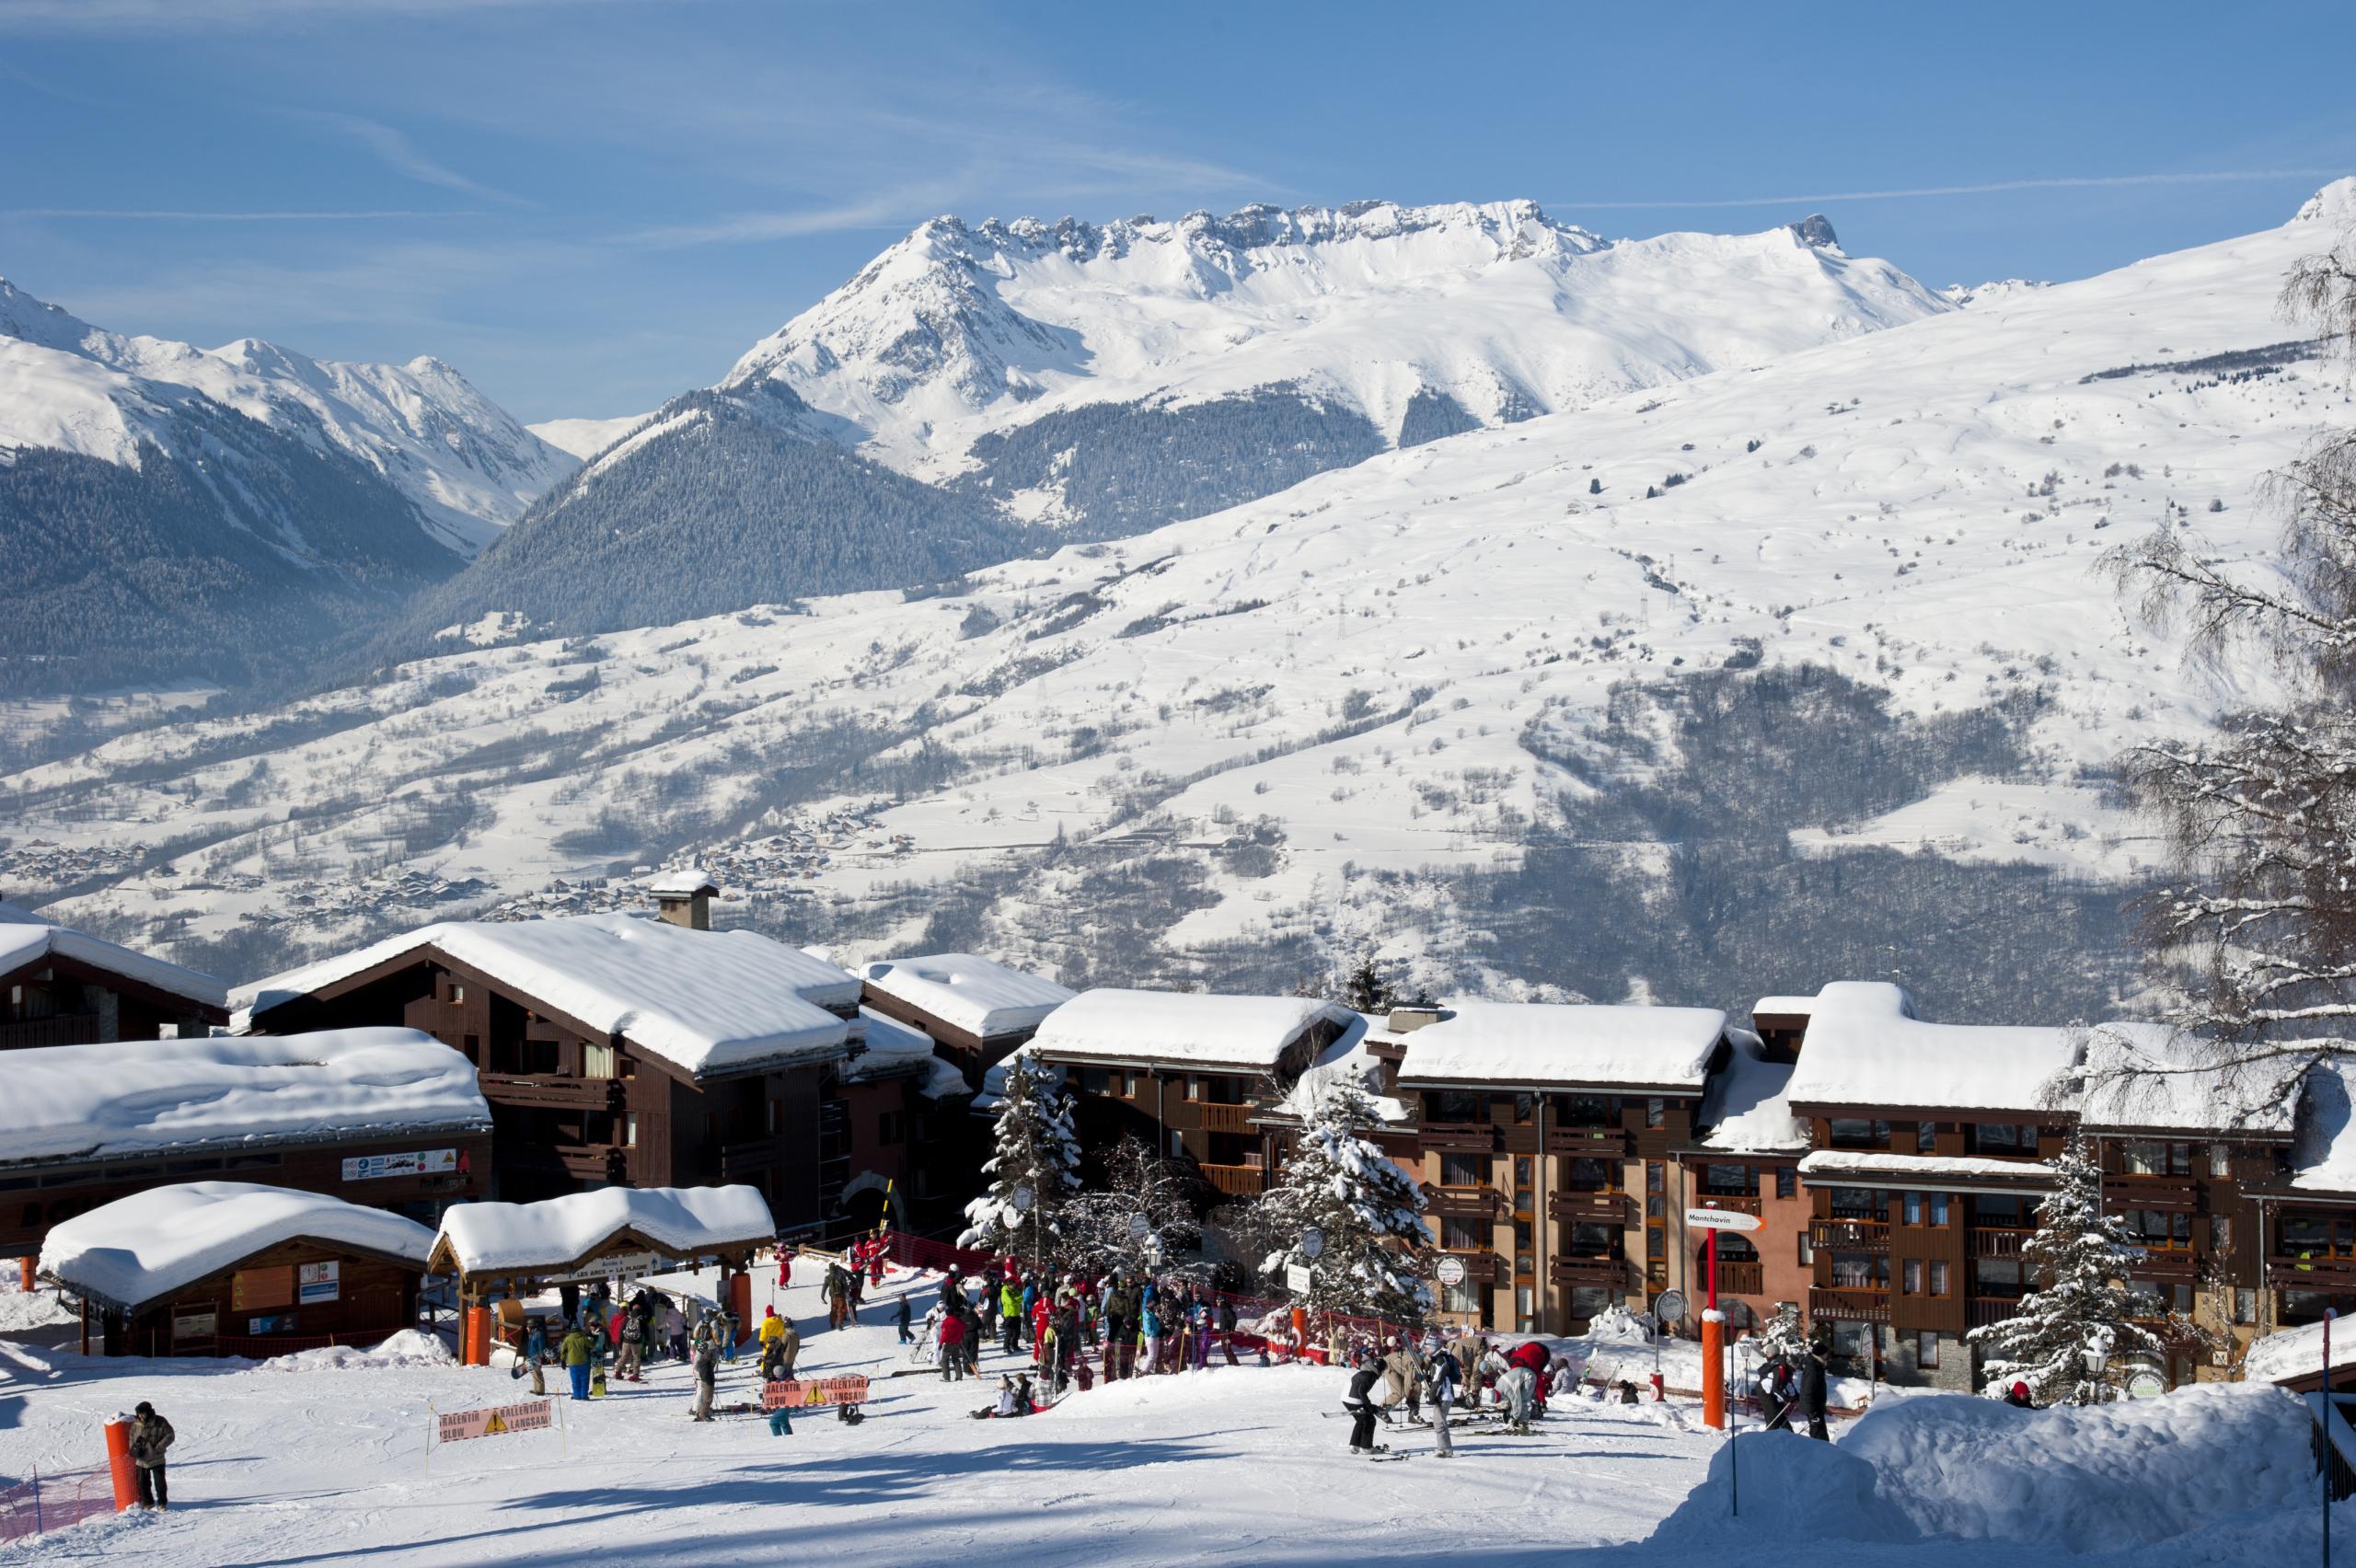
(1776, 672)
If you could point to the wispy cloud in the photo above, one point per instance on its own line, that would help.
(170, 215)
(89, 15)
(1990, 188)
(888, 210)
(394, 151)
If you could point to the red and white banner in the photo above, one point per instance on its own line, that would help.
(455, 1425)
(804, 1392)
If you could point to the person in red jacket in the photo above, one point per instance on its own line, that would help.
(1532, 1355)
(953, 1346)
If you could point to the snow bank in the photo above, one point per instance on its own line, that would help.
(1550, 1043)
(1866, 1047)
(705, 1001)
(973, 994)
(84, 1102)
(410, 1347)
(1790, 1490)
(2298, 1353)
(140, 1249)
(531, 1238)
(1183, 1026)
(893, 1047)
(26, 938)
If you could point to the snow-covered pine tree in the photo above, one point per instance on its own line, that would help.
(1035, 1148)
(1135, 1182)
(1369, 1211)
(2077, 1258)
(1784, 1334)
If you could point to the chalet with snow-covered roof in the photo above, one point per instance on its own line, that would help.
(1188, 1072)
(234, 1268)
(976, 1011)
(60, 986)
(1548, 1134)
(1745, 1155)
(914, 1151)
(387, 1118)
(2305, 1226)
(616, 1049)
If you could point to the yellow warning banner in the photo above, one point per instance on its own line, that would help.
(802, 1392)
(455, 1425)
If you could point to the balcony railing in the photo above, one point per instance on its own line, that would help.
(1236, 1181)
(1481, 1268)
(1741, 1279)
(1987, 1242)
(1849, 1235)
(1738, 1203)
(592, 1162)
(2311, 1272)
(542, 1089)
(1460, 1137)
(739, 1160)
(1849, 1306)
(1603, 1207)
(2169, 1192)
(1226, 1118)
(1594, 1143)
(57, 1029)
(1982, 1310)
(1463, 1202)
(1583, 1270)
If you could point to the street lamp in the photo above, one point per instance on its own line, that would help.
(2097, 1356)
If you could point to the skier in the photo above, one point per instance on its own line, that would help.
(952, 1345)
(707, 1376)
(577, 1352)
(633, 1326)
(836, 1290)
(535, 1354)
(900, 1320)
(1812, 1378)
(1442, 1381)
(1227, 1329)
(1359, 1402)
(1530, 1356)
(1149, 1329)
(1774, 1395)
(151, 1434)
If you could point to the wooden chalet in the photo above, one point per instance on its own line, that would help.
(60, 986)
(976, 1012)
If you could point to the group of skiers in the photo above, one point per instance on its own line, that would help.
(595, 1330)
(1452, 1375)
(1142, 1326)
(1792, 1385)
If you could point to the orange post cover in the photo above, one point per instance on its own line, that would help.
(126, 1488)
(1713, 1370)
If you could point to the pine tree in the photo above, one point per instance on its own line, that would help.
(1365, 990)
(1036, 1150)
(2077, 1257)
(1784, 1334)
(1367, 1210)
(1096, 1223)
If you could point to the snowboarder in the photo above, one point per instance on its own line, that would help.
(151, 1434)
(1359, 1402)
(1812, 1380)
(577, 1352)
(535, 1354)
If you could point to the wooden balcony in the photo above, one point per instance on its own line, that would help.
(543, 1089)
(1237, 1180)
(57, 1029)
(1483, 1204)
(1849, 1306)
(1598, 1207)
(748, 1159)
(1982, 1310)
(1567, 1272)
(2171, 1193)
(1460, 1137)
(593, 1163)
(1735, 1203)
(1740, 1279)
(2168, 1265)
(1587, 1143)
(1518, 1138)
(1226, 1118)
(2317, 1271)
(1849, 1236)
(1481, 1268)
(1989, 1241)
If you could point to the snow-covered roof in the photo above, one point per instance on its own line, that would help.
(138, 1250)
(705, 1001)
(2296, 1353)
(26, 938)
(1873, 1169)
(1745, 1108)
(1182, 1026)
(1784, 1007)
(547, 1236)
(1347, 1059)
(2151, 1077)
(976, 995)
(1866, 1047)
(892, 1047)
(94, 1101)
(2323, 1155)
(683, 883)
(1545, 1043)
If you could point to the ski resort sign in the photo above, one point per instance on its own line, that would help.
(457, 1425)
(1450, 1272)
(1722, 1219)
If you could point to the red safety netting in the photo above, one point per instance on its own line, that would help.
(52, 1501)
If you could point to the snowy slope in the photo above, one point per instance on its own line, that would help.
(1496, 307)
(1336, 703)
(585, 438)
(466, 462)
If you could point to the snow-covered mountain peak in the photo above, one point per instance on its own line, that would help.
(1816, 229)
(2334, 203)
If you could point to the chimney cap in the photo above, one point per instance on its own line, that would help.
(684, 883)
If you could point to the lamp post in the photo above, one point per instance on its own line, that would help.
(2095, 1355)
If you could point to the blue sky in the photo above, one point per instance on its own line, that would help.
(588, 205)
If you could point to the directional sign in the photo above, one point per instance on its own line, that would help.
(1450, 1272)
(1722, 1219)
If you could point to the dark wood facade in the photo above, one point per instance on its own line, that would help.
(575, 1108)
(258, 1306)
(58, 1000)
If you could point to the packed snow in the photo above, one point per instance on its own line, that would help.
(892, 1047)
(1947, 1173)
(685, 1222)
(139, 1249)
(704, 1001)
(98, 1101)
(1538, 1043)
(1864, 1047)
(26, 938)
(2298, 1353)
(979, 996)
(1193, 1028)
(1748, 1107)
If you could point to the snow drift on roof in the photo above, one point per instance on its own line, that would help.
(1545, 1042)
(704, 1001)
(973, 994)
(2151, 1075)
(1784, 1007)
(1870, 1166)
(1347, 1060)
(88, 1101)
(1182, 1026)
(893, 1047)
(139, 1249)
(26, 938)
(1746, 1109)
(546, 1237)
(2296, 1353)
(683, 882)
(1864, 1046)
(2323, 1157)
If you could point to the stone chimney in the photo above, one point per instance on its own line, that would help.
(684, 897)
(1407, 1019)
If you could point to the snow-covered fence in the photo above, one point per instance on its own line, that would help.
(52, 1501)
(2335, 1442)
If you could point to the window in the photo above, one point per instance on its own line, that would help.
(1999, 1138)
(1461, 1169)
(1857, 1202)
(1463, 1235)
(1926, 1351)
(1094, 1080)
(630, 1129)
(1591, 1176)
(1656, 1241)
(1589, 1240)
(776, 1112)
(2140, 1157)
(473, 1049)
(2220, 1159)
(1808, 1250)
(1463, 1297)
(2244, 1303)
(1455, 1105)
(1860, 1271)
(1912, 1280)
(1999, 1277)
(1849, 1132)
(1729, 1181)
(1914, 1208)
(1129, 1084)
(2183, 1299)
(1938, 1208)
(1926, 1137)
(597, 1061)
(1656, 1111)
(1525, 1106)
(2180, 1160)
(1587, 1111)
(1194, 1087)
(1787, 1182)
(457, 992)
(1521, 1169)
(1938, 1278)
(1524, 1307)
(2221, 1232)
(2158, 1229)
